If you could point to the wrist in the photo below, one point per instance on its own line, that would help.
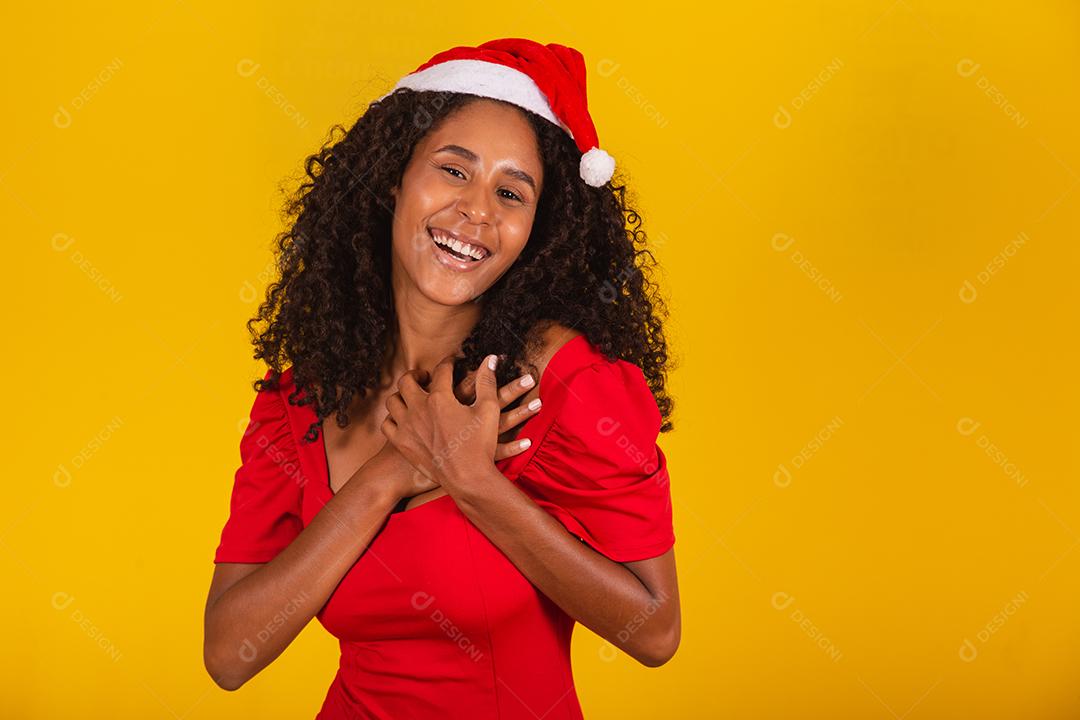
(374, 484)
(470, 488)
(367, 495)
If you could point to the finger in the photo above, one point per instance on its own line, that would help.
(389, 428)
(466, 389)
(513, 418)
(396, 407)
(510, 449)
(515, 389)
(409, 386)
(486, 389)
(422, 377)
(442, 379)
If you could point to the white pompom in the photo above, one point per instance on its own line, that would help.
(596, 167)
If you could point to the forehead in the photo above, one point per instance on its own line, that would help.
(493, 130)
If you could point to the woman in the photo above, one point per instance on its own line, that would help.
(448, 528)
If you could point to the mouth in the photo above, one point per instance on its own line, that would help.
(456, 253)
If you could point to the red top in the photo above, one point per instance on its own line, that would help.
(433, 619)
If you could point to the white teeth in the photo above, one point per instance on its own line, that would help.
(458, 246)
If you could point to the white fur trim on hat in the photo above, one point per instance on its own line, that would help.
(486, 79)
(596, 167)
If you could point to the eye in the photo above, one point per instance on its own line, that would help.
(451, 169)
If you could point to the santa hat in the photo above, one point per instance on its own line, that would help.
(548, 80)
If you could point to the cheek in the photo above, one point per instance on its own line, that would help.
(515, 233)
(417, 200)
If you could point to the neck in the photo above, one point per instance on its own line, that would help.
(426, 331)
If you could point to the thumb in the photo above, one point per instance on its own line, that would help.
(486, 387)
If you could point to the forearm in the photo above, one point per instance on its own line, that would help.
(253, 621)
(601, 594)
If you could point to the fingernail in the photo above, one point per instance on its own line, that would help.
(491, 361)
(525, 443)
(535, 404)
(527, 381)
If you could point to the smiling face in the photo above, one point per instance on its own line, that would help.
(466, 203)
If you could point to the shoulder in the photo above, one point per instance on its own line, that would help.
(547, 342)
(594, 463)
(282, 388)
(285, 380)
(271, 407)
(270, 404)
(586, 388)
(604, 397)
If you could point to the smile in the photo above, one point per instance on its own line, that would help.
(454, 253)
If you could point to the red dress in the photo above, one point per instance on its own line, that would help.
(433, 620)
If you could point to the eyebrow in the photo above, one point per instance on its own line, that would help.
(473, 157)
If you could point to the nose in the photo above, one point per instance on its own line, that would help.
(474, 204)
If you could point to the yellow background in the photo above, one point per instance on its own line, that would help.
(867, 215)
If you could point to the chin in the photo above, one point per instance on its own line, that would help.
(452, 291)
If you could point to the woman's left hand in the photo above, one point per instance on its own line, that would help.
(446, 440)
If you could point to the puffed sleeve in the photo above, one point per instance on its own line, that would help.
(598, 469)
(264, 510)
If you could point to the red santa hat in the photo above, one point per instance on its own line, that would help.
(548, 80)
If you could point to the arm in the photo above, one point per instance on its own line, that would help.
(254, 610)
(634, 606)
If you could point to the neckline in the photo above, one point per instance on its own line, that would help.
(552, 369)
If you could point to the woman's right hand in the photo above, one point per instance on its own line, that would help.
(391, 467)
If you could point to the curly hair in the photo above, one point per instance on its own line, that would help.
(330, 314)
